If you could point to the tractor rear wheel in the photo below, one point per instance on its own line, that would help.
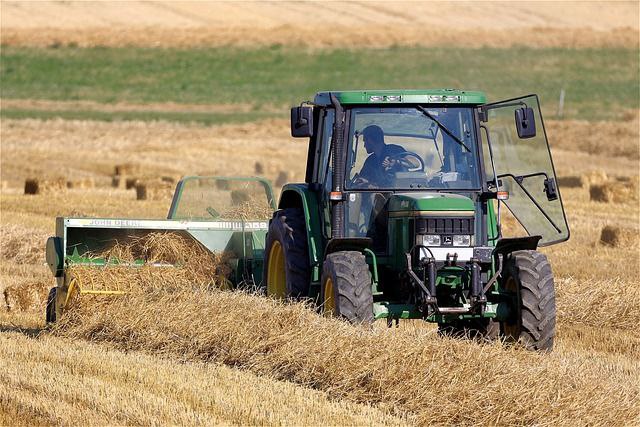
(51, 305)
(346, 287)
(528, 275)
(287, 272)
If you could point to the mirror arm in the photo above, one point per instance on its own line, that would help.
(495, 177)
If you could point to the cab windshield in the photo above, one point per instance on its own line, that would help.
(405, 149)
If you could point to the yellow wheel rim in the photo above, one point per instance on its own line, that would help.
(329, 300)
(276, 275)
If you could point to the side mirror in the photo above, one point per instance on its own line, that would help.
(302, 121)
(525, 122)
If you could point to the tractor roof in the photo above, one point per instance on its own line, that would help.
(404, 96)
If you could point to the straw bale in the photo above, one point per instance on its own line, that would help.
(131, 183)
(153, 190)
(44, 186)
(282, 179)
(84, 183)
(571, 181)
(127, 169)
(119, 181)
(4, 185)
(615, 236)
(26, 296)
(614, 191)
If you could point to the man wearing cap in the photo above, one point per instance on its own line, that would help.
(383, 159)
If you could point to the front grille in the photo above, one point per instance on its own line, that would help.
(445, 225)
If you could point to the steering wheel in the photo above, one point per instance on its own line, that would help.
(408, 165)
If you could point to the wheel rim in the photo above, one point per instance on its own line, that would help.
(512, 329)
(276, 274)
(329, 300)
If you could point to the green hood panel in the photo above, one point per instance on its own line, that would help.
(409, 202)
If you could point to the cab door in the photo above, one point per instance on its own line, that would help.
(520, 164)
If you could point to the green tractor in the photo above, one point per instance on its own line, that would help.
(399, 215)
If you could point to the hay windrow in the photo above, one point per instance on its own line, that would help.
(405, 370)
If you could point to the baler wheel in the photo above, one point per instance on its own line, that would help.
(51, 305)
(287, 271)
(346, 287)
(528, 275)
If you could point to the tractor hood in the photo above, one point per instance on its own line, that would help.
(410, 204)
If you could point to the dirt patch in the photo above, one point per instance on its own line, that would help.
(357, 36)
(362, 24)
(123, 107)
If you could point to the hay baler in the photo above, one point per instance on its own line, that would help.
(223, 214)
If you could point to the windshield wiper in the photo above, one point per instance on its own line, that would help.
(443, 127)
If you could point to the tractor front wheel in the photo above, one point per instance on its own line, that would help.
(346, 287)
(528, 277)
(286, 270)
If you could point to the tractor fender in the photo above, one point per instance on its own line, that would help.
(300, 196)
(506, 245)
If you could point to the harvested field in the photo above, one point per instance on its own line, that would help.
(596, 359)
(162, 24)
(270, 338)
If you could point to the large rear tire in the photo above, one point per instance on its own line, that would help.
(346, 287)
(287, 272)
(528, 275)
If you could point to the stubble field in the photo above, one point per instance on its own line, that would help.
(233, 358)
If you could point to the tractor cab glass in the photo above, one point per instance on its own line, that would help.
(412, 148)
(517, 148)
(405, 149)
(220, 198)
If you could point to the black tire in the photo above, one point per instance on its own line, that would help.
(288, 229)
(528, 274)
(350, 295)
(481, 329)
(51, 305)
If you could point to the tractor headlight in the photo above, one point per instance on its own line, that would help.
(461, 240)
(430, 240)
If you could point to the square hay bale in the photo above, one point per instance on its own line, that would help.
(282, 179)
(119, 181)
(615, 236)
(127, 169)
(615, 191)
(26, 296)
(131, 183)
(5, 185)
(44, 186)
(153, 190)
(571, 181)
(259, 168)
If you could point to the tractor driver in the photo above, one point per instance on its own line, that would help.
(383, 160)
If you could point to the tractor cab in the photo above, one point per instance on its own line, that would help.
(400, 212)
